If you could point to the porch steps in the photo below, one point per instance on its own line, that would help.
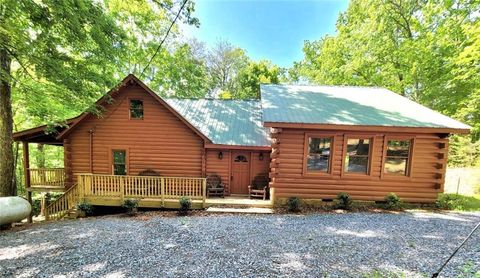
(72, 214)
(240, 210)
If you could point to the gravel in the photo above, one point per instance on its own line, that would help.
(411, 244)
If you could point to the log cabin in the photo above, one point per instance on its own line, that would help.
(311, 141)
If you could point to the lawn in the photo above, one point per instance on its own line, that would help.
(407, 244)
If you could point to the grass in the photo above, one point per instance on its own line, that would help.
(459, 202)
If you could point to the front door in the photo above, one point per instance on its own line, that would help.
(240, 173)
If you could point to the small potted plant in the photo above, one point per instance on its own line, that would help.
(131, 205)
(84, 209)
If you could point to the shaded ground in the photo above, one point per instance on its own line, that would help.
(330, 245)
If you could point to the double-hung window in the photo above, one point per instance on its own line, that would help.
(397, 158)
(119, 162)
(357, 156)
(319, 154)
(136, 109)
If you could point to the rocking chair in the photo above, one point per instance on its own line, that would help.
(215, 187)
(259, 187)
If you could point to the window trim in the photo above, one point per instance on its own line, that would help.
(408, 175)
(127, 158)
(130, 110)
(371, 137)
(305, 171)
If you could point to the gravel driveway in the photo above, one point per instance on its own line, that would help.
(330, 245)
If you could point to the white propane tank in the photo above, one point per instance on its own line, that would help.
(13, 209)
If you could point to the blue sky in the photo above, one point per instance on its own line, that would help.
(267, 29)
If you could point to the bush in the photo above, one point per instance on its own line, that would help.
(130, 205)
(293, 204)
(36, 206)
(392, 201)
(85, 207)
(185, 205)
(344, 201)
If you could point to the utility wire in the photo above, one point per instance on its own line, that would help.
(164, 38)
(456, 250)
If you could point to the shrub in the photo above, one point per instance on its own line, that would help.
(86, 208)
(449, 201)
(293, 204)
(130, 205)
(392, 201)
(36, 206)
(344, 201)
(185, 205)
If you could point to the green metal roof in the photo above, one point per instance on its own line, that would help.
(227, 122)
(343, 105)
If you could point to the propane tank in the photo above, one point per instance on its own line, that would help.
(13, 209)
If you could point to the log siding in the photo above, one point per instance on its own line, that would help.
(160, 141)
(427, 167)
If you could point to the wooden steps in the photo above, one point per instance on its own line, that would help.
(250, 210)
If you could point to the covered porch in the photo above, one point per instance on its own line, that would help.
(150, 191)
(45, 179)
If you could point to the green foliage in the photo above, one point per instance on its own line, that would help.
(392, 201)
(85, 207)
(36, 206)
(224, 62)
(185, 204)
(458, 202)
(293, 204)
(130, 205)
(426, 51)
(250, 78)
(463, 152)
(343, 201)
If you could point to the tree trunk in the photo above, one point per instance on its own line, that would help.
(40, 158)
(6, 127)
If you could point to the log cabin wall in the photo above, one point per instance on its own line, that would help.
(428, 166)
(219, 166)
(160, 141)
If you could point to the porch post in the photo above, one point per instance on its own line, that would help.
(67, 162)
(26, 172)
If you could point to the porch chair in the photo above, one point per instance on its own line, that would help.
(215, 187)
(149, 173)
(150, 187)
(259, 187)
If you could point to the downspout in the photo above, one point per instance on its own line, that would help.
(90, 133)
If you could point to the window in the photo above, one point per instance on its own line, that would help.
(397, 157)
(357, 156)
(119, 162)
(240, 158)
(318, 156)
(136, 109)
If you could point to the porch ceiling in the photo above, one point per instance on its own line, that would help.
(39, 134)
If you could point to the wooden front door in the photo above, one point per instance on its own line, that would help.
(240, 173)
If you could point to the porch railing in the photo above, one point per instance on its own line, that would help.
(51, 177)
(142, 187)
(63, 204)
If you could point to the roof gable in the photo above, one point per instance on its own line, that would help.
(338, 105)
(131, 79)
(225, 122)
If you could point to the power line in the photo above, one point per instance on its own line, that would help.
(164, 38)
(455, 252)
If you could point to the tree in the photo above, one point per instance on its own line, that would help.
(256, 73)
(427, 51)
(224, 62)
(57, 58)
(37, 42)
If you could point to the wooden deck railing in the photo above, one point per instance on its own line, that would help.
(63, 204)
(47, 177)
(142, 187)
